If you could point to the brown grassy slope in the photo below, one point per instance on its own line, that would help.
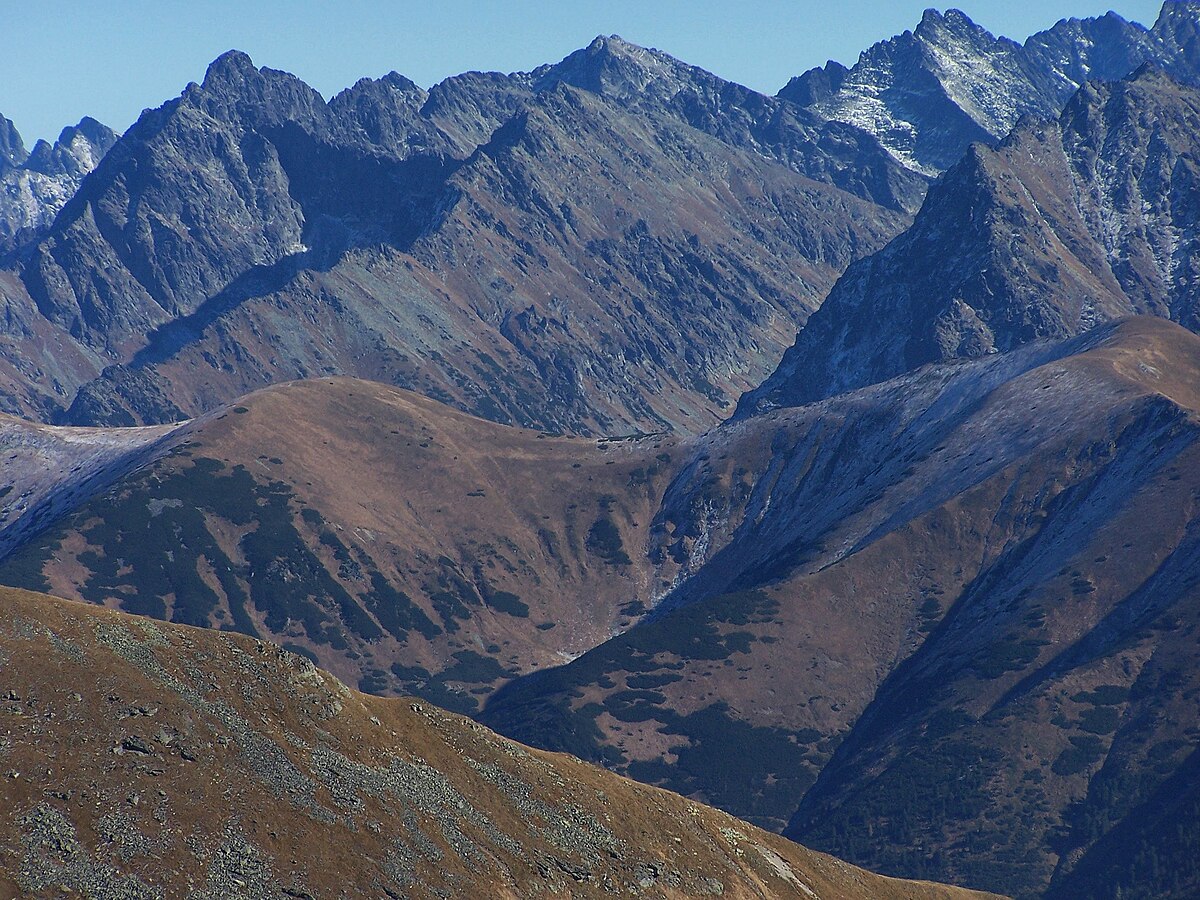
(971, 523)
(818, 549)
(450, 535)
(142, 758)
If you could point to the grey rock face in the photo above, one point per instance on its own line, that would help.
(929, 93)
(1067, 224)
(825, 150)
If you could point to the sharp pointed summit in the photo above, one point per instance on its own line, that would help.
(230, 67)
(613, 67)
(36, 186)
(12, 148)
(77, 151)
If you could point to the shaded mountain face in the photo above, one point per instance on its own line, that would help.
(1066, 224)
(145, 760)
(551, 249)
(945, 612)
(35, 186)
(929, 93)
(48, 470)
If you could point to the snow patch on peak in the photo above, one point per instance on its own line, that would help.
(928, 93)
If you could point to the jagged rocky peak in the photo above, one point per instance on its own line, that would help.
(231, 67)
(928, 93)
(392, 85)
(34, 187)
(77, 151)
(982, 74)
(234, 88)
(12, 148)
(614, 67)
(636, 76)
(187, 160)
(1066, 224)
(935, 24)
(651, 81)
(385, 112)
(1178, 31)
(816, 85)
(1073, 50)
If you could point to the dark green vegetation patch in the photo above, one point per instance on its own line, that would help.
(752, 771)
(151, 547)
(938, 786)
(604, 541)
(1012, 654)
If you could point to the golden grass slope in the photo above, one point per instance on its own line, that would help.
(141, 759)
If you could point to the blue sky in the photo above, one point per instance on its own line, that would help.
(64, 59)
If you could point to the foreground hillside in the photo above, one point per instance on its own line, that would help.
(143, 760)
(760, 610)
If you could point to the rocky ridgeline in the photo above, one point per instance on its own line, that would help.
(616, 242)
(929, 93)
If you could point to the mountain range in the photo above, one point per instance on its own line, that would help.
(825, 458)
(592, 259)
